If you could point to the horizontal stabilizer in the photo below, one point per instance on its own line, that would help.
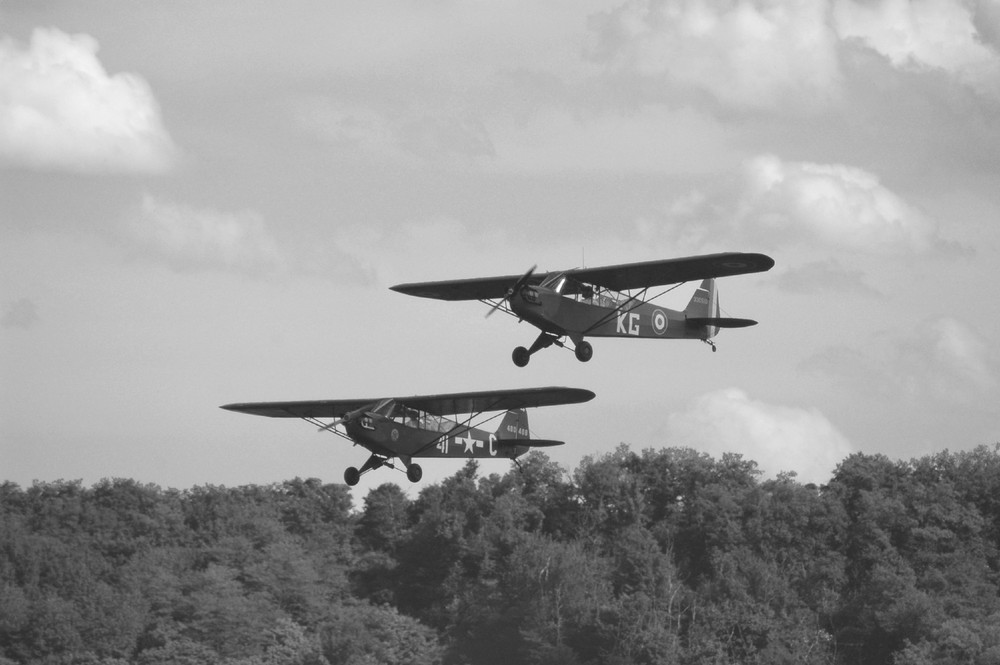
(720, 322)
(531, 443)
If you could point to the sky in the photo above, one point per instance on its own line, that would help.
(205, 203)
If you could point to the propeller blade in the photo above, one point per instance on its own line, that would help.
(518, 285)
(350, 415)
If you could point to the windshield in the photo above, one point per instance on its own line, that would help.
(565, 285)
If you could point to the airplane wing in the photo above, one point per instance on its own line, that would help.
(672, 271)
(445, 404)
(327, 408)
(477, 288)
(618, 277)
(495, 400)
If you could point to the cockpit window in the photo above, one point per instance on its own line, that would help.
(565, 285)
(555, 282)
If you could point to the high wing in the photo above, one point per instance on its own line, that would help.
(672, 271)
(617, 277)
(445, 404)
(477, 288)
(325, 408)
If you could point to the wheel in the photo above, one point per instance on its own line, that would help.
(414, 473)
(352, 476)
(584, 351)
(521, 356)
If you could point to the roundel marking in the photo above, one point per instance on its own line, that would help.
(395, 435)
(659, 322)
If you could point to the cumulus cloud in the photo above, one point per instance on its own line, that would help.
(776, 202)
(779, 438)
(835, 203)
(60, 110)
(188, 238)
(757, 54)
(926, 35)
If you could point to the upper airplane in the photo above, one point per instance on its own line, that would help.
(610, 301)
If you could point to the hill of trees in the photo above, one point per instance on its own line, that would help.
(659, 556)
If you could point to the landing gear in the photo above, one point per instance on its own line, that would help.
(521, 356)
(352, 476)
(583, 350)
(414, 473)
(711, 344)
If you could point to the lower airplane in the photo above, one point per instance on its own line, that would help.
(405, 428)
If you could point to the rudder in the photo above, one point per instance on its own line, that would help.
(514, 425)
(704, 306)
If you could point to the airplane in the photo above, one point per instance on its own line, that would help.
(610, 301)
(408, 427)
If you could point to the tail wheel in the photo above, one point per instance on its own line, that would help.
(352, 476)
(521, 356)
(584, 351)
(414, 473)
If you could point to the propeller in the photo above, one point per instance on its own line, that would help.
(347, 417)
(518, 285)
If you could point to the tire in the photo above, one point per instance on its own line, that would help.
(414, 473)
(352, 476)
(520, 356)
(584, 351)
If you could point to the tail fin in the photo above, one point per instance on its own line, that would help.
(513, 437)
(703, 307)
(514, 425)
(703, 310)
(704, 304)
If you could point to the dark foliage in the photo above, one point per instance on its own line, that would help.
(658, 556)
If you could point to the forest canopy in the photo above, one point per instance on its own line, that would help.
(660, 556)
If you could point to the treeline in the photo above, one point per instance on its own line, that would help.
(661, 556)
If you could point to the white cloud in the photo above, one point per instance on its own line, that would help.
(779, 438)
(835, 203)
(188, 238)
(924, 34)
(758, 54)
(774, 203)
(60, 110)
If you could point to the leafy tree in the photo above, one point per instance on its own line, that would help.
(362, 634)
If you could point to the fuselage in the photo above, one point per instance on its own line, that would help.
(426, 435)
(565, 308)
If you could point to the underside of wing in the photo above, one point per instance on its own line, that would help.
(329, 408)
(448, 404)
(479, 288)
(445, 404)
(672, 271)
